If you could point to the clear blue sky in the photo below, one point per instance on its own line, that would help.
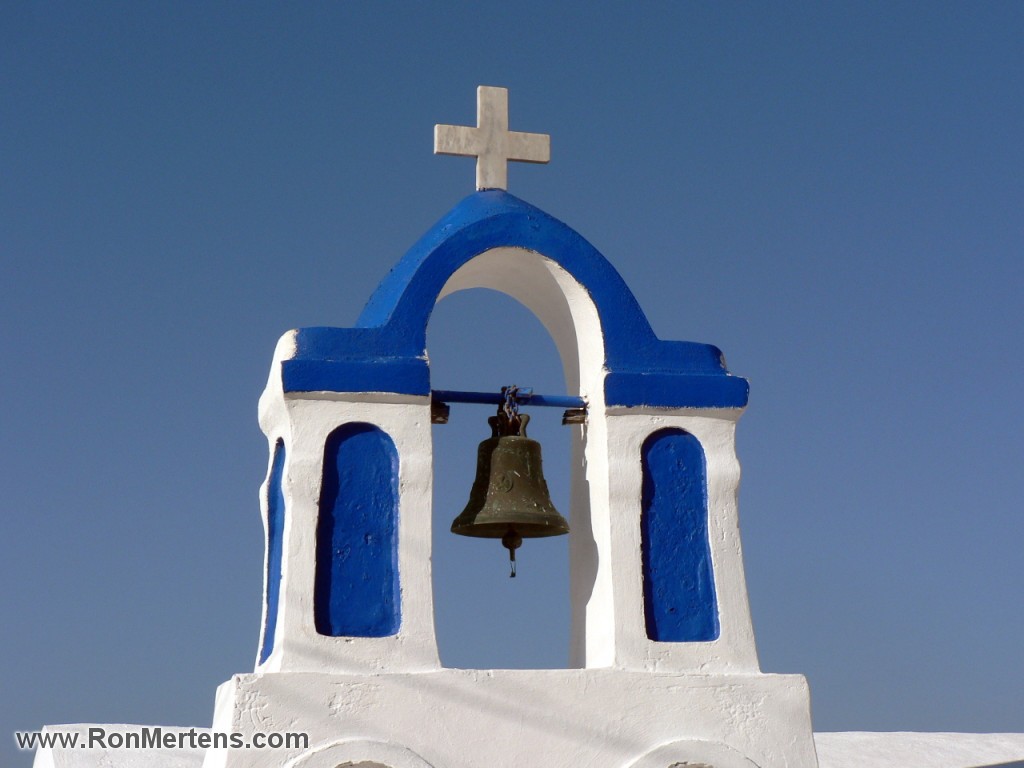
(831, 193)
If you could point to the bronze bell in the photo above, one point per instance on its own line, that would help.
(509, 499)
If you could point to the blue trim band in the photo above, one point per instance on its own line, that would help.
(405, 376)
(676, 391)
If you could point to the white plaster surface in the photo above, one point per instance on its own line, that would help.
(304, 423)
(834, 750)
(116, 758)
(858, 749)
(734, 650)
(454, 718)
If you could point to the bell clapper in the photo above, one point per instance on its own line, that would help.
(512, 541)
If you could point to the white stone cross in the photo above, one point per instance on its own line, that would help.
(491, 142)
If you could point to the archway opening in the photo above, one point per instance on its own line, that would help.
(481, 340)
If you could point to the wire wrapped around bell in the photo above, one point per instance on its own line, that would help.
(509, 499)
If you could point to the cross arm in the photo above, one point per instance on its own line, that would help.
(529, 147)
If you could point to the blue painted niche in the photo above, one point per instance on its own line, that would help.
(275, 548)
(356, 590)
(679, 586)
(386, 351)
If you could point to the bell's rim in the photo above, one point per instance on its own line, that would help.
(496, 530)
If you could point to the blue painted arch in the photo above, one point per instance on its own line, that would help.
(386, 350)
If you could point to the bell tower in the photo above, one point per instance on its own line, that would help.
(664, 668)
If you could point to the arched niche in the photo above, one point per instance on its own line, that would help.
(356, 590)
(680, 603)
(562, 305)
(693, 753)
(479, 339)
(359, 753)
(567, 310)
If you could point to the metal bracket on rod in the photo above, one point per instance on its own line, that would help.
(576, 412)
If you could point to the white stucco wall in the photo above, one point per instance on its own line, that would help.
(455, 718)
(834, 750)
(859, 749)
(304, 423)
